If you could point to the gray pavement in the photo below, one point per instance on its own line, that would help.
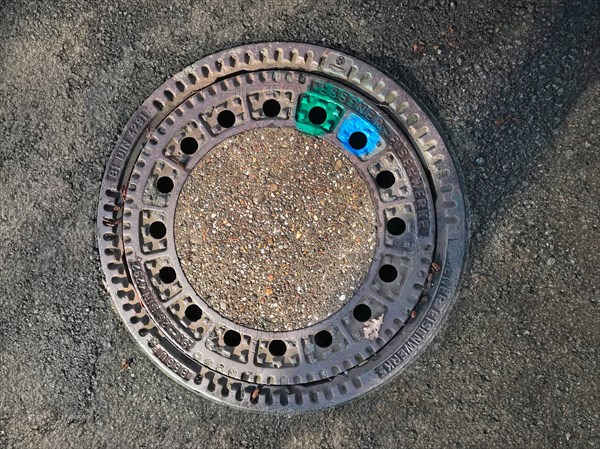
(516, 86)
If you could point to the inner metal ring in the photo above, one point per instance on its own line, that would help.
(420, 222)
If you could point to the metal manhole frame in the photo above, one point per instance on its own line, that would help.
(423, 137)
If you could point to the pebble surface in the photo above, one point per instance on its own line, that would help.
(275, 229)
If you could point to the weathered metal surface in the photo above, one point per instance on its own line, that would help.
(421, 226)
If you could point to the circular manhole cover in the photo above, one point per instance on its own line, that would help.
(281, 227)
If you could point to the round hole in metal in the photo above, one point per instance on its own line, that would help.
(226, 119)
(232, 338)
(271, 108)
(164, 184)
(385, 179)
(323, 339)
(167, 275)
(317, 115)
(189, 145)
(158, 230)
(358, 140)
(396, 226)
(277, 347)
(193, 312)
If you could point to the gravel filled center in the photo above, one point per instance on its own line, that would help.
(275, 229)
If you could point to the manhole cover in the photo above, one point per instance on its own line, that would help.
(281, 227)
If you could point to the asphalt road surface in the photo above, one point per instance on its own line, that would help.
(516, 87)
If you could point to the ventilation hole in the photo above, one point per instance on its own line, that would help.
(164, 184)
(385, 179)
(323, 339)
(362, 312)
(193, 312)
(167, 275)
(271, 108)
(277, 347)
(388, 273)
(317, 115)
(232, 338)
(189, 145)
(396, 226)
(358, 140)
(158, 230)
(226, 118)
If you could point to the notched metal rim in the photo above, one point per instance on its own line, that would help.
(130, 286)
